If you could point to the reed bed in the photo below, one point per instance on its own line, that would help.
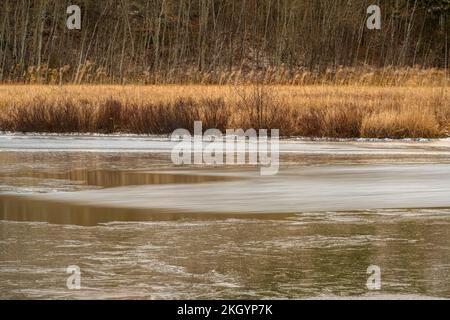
(280, 75)
(308, 111)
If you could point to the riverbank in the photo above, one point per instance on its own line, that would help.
(307, 111)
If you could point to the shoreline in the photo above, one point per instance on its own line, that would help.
(161, 144)
(167, 136)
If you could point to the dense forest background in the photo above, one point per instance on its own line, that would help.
(154, 41)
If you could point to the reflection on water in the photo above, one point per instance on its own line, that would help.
(110, 178)
(308, 255)
(38, 172)
(19, 208)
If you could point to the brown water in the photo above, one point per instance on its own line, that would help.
(140, 228)
(308, 255)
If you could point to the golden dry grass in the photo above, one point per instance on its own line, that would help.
(312, 111)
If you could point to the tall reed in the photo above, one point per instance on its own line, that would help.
(318, 111)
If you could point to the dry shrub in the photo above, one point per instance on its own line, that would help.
(59, 117)
(409, 123)
(341, 122)
(161, 118)
(338, 112)
(441, 107)
(115, 116)
(108, 116)
(215, 113)
(307, 121)
(261, 108)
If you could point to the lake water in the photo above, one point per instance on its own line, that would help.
(139, 227)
